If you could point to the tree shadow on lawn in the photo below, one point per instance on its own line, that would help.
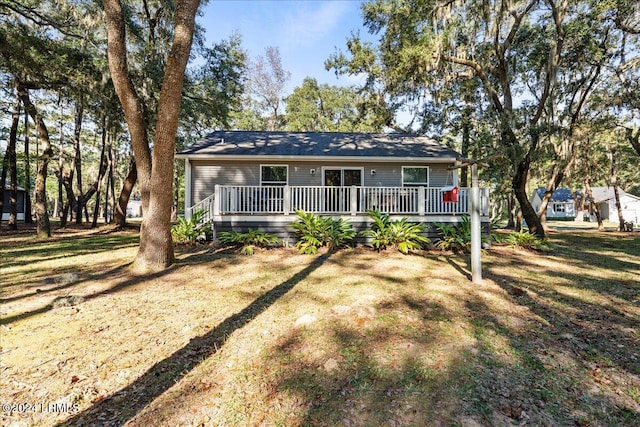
(436, 365)
(126, 403)
(48, 250)
(381, 374)
(189, 256)
(588, 349)
(505, 368)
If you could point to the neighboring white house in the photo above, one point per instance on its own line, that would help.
(604, 198)
(561, 205)
(134, 209)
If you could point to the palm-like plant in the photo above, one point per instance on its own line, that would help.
(249, 241)
(400, 234)
(315, 231)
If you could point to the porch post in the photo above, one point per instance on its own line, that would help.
(286, 200)
(187, 189)
(354, 200)
(476, 265)
(217, 200)
(421, 201)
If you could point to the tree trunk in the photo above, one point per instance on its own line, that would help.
(67, 179)
(57, 207)
(127, 187)
(98, 186)
(520, 190)
(13, 167)
(616, 193)
(593, 207)
(9, 164)
(611, 153)
(110, 183)
(3, 181)
(511, 208)
(634, 139)
(28, 219)
(155, 178)
(77, 160)
(43, 227)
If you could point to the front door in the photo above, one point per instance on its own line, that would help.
(338, 192)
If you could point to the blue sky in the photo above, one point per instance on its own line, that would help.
(305, 31)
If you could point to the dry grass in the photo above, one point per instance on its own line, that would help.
(353, 338)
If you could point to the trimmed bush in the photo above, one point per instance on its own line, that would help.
(399, 234)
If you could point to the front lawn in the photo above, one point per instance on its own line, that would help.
(351, 338)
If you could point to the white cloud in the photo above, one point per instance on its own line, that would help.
(310, 22)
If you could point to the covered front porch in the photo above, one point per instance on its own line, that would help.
(337, 201)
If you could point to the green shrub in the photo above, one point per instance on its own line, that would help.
(190, 230)
(399, 234)
(525, 240)
(457, 237)
(315, 231)
(453, 238)
(248, 241)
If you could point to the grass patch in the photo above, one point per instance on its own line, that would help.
(342, 338)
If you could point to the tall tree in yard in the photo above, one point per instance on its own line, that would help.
(538, 62)
(155, 172)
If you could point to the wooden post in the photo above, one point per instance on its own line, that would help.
(476, 264)
(187, 189)
(217, 200)
(286, 200)
(421, 201)
(353, 200)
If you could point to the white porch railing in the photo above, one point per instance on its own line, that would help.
(284, 200)
(206, 205)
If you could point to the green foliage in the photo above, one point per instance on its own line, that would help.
(455, 238)
(190, 230)
(320, 107)
(399, 234)
(316, 231)
(249, 241)
(525, 240)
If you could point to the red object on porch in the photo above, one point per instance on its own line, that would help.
(450, 194)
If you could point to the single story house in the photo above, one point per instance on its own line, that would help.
(562, 204)
(20, 203)
(255, 179)
(605, 199)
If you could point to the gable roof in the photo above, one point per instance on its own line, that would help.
(560, 195)
(301, 145)
(603, 194)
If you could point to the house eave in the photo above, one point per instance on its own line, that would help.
(342, 159)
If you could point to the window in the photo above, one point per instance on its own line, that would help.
(274, 174)
(558, 207)
(415, 176)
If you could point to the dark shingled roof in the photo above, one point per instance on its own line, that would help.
(317, 144)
